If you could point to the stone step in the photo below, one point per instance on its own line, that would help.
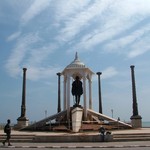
(18, 138)
(131, 137)
(123, 139)
(60, 128)
(116, 137)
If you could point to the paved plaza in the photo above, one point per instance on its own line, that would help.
(128, 144)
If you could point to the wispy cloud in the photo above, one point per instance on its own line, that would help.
(36, 8)
(40, 54)
(133, 40)
(81, 20)
(121, 17)
(37, 73)
(109, 72)
(64, 10)
(25, 54)
(139, 48)
(13, 36)
(106, 25)
(19, 52)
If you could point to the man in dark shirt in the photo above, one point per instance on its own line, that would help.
(7, 130)
(77, 90)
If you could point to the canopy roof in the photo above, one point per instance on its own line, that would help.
(76, 63)
(76, 67)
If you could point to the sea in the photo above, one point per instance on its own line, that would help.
(146, 124)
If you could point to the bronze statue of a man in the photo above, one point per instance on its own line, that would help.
(77, 89)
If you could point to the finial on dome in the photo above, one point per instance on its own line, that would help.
(76, 56)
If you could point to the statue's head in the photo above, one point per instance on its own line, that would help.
(8, 121)
(77, 77)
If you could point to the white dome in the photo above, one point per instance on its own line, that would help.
(76, 63)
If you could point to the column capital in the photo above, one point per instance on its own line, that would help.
(132, 66)
(59, 74)
(24, 69)
(99, 73)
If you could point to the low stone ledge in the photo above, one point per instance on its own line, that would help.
(72, 138)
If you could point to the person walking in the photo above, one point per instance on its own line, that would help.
(7, 130)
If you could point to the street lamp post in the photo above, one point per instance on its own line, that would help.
(112, 113)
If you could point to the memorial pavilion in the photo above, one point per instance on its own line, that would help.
(76, 118)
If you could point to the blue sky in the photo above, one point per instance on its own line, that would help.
(43, 36)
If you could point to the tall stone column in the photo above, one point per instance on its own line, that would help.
(68, 97)
(90, 94)
(90, 98)
(135, 118)
(65, 92)
(99, 92)
(59, 92)
(22, 120)
(84, 97)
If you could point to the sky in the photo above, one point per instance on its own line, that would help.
(44, 35)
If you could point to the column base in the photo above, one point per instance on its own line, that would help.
(22, 122)
(136, 121)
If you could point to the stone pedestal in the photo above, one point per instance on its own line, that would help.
(136, 121)
(76, 119)
(22, 122)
